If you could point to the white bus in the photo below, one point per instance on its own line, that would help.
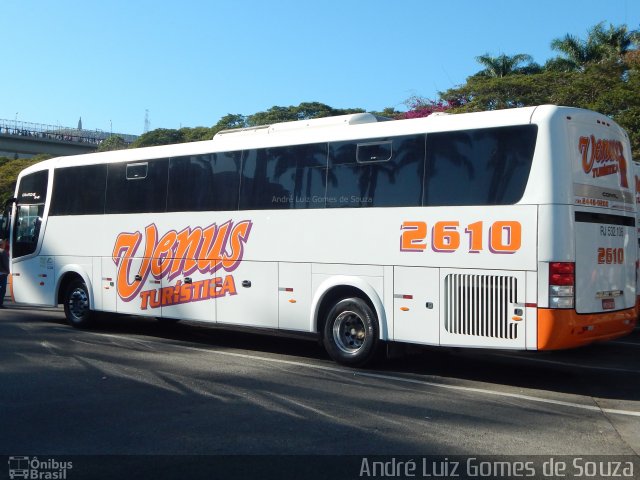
(511, 229)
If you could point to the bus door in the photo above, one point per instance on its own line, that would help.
(33, 276)
(605, 223)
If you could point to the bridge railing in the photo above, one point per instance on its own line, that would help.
(57, 133)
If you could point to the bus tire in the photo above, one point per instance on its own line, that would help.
(350, 333)
(77, 308)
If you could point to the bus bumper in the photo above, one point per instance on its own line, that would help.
(559, 329)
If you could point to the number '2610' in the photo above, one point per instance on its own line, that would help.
(611, 256)
(446, 236)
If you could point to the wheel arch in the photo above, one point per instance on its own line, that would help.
(68, 274)
(335, 288)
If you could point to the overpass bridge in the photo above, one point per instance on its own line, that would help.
(25, 139)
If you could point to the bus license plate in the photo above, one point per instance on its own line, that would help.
(608, 304)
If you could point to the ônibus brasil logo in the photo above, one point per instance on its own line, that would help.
(206, 250)
(38, 469)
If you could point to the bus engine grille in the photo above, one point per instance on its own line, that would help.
(479, 305)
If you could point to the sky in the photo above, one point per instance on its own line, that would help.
(191, 62)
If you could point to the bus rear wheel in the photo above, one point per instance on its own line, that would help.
(77, 308)
(350, 333)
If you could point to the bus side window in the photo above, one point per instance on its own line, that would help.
(79, 190)
(376, 172)
(128, 191)
(484, 166)
(204, 182)
(374, 151)
(284, 177)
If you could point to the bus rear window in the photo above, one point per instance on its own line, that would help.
(488, 166)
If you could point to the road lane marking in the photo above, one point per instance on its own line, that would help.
(394, 378)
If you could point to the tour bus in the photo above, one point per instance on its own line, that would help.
(511, 229)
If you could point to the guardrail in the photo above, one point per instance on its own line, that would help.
(57, 133)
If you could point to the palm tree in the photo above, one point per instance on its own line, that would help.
(577, 52)
(504, 65)
(599, 46)
(616, 41)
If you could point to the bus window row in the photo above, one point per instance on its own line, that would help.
(473, 167)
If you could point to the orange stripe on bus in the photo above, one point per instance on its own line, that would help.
(559, 329)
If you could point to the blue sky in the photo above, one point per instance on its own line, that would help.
(193, 61)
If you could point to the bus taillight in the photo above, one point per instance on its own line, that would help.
(562, 279)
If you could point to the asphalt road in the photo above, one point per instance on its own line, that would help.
(131, 386)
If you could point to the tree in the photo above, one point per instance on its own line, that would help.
(229, 121)
(160, 136)
(304, 111)
(114, 142)
(491, 93)
(600, 46)
(420, 107)
(196, 134)
(307, 110)
(504, 65)
(390, 112)
(274, 115)
(577, 53)
(616, 41)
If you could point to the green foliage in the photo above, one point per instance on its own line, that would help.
(196, 134)
(229, 121)
(304, 111)
(389, 112)
(492, 93)
(276, 114)
(505, 65)
(114, 142)
(601, 45)
(160, 136)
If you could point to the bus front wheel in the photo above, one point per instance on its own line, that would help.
(351, 332)
(76, 305)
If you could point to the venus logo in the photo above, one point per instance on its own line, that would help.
(205, 250)
(603, 157)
